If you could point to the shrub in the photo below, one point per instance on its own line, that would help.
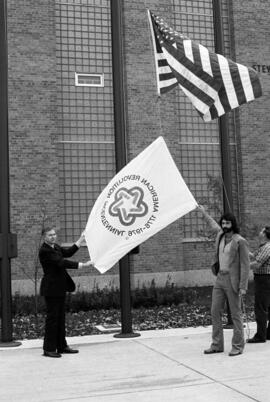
(26, 305)
(109, 298)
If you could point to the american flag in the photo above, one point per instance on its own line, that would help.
(214, 84)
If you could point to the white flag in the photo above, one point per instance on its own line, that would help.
(148, 194)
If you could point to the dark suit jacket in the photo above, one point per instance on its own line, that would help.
(56, 281)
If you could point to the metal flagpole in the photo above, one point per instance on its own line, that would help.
(120, 153)
(8, 243)
(223, 132)
(223, 120)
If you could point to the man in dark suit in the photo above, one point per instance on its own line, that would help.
(54, 285)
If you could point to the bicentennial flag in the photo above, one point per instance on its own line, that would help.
(144, 197)
(214, 84)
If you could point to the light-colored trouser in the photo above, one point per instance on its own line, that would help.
(222, 290)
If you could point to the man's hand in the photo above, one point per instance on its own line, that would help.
(201, 208)
(88, 264)
(80, 240)
(242, 292)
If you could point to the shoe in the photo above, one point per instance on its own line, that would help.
(211, 351)
(235, 352)
(51, 354)
(255, 340)
(228, 326)
(68, 350)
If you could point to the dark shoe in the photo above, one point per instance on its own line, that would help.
(228, 326)
(235, 352)
(255, 340)
(51, 354)
(210, 351)
(68, 350)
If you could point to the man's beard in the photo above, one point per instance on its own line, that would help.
(226, 230)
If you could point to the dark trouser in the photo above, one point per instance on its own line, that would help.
(54, 338)
(262, 305)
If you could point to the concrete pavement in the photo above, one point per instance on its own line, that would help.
(165, 365)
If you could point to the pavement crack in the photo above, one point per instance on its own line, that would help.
(212, 379)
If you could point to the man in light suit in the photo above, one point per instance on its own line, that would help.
(54, 285)
(232, 270)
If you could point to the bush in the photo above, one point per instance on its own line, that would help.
(109, 298)
(26, 305)
(95, 300)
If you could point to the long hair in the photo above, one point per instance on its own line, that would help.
(228, 216)
(267, 231)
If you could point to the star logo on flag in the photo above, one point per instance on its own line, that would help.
(128, 205)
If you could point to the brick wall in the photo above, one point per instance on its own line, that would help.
(250, 25)
(32, 125)
(165, 252)
(252, 33)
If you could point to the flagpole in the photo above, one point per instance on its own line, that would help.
(8, 245)
(223, 120)
(120, 153)
(223, 133)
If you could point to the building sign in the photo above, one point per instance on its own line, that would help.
(262, 68)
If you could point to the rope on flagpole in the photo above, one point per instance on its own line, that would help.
(158, 99)
(153, 46)
(225, 192)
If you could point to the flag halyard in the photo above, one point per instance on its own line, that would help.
(165, 78)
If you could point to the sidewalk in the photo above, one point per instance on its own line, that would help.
(165, 366)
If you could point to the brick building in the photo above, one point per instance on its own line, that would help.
(61, 128)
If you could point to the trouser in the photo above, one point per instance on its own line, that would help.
(223, 290)
(262, 305)
(55, 334)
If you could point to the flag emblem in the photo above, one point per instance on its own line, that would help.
(130, 210)
(214, 84)
(128, 205)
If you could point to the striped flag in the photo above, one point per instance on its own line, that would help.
(214, 84)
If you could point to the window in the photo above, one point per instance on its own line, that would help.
(89, 80)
